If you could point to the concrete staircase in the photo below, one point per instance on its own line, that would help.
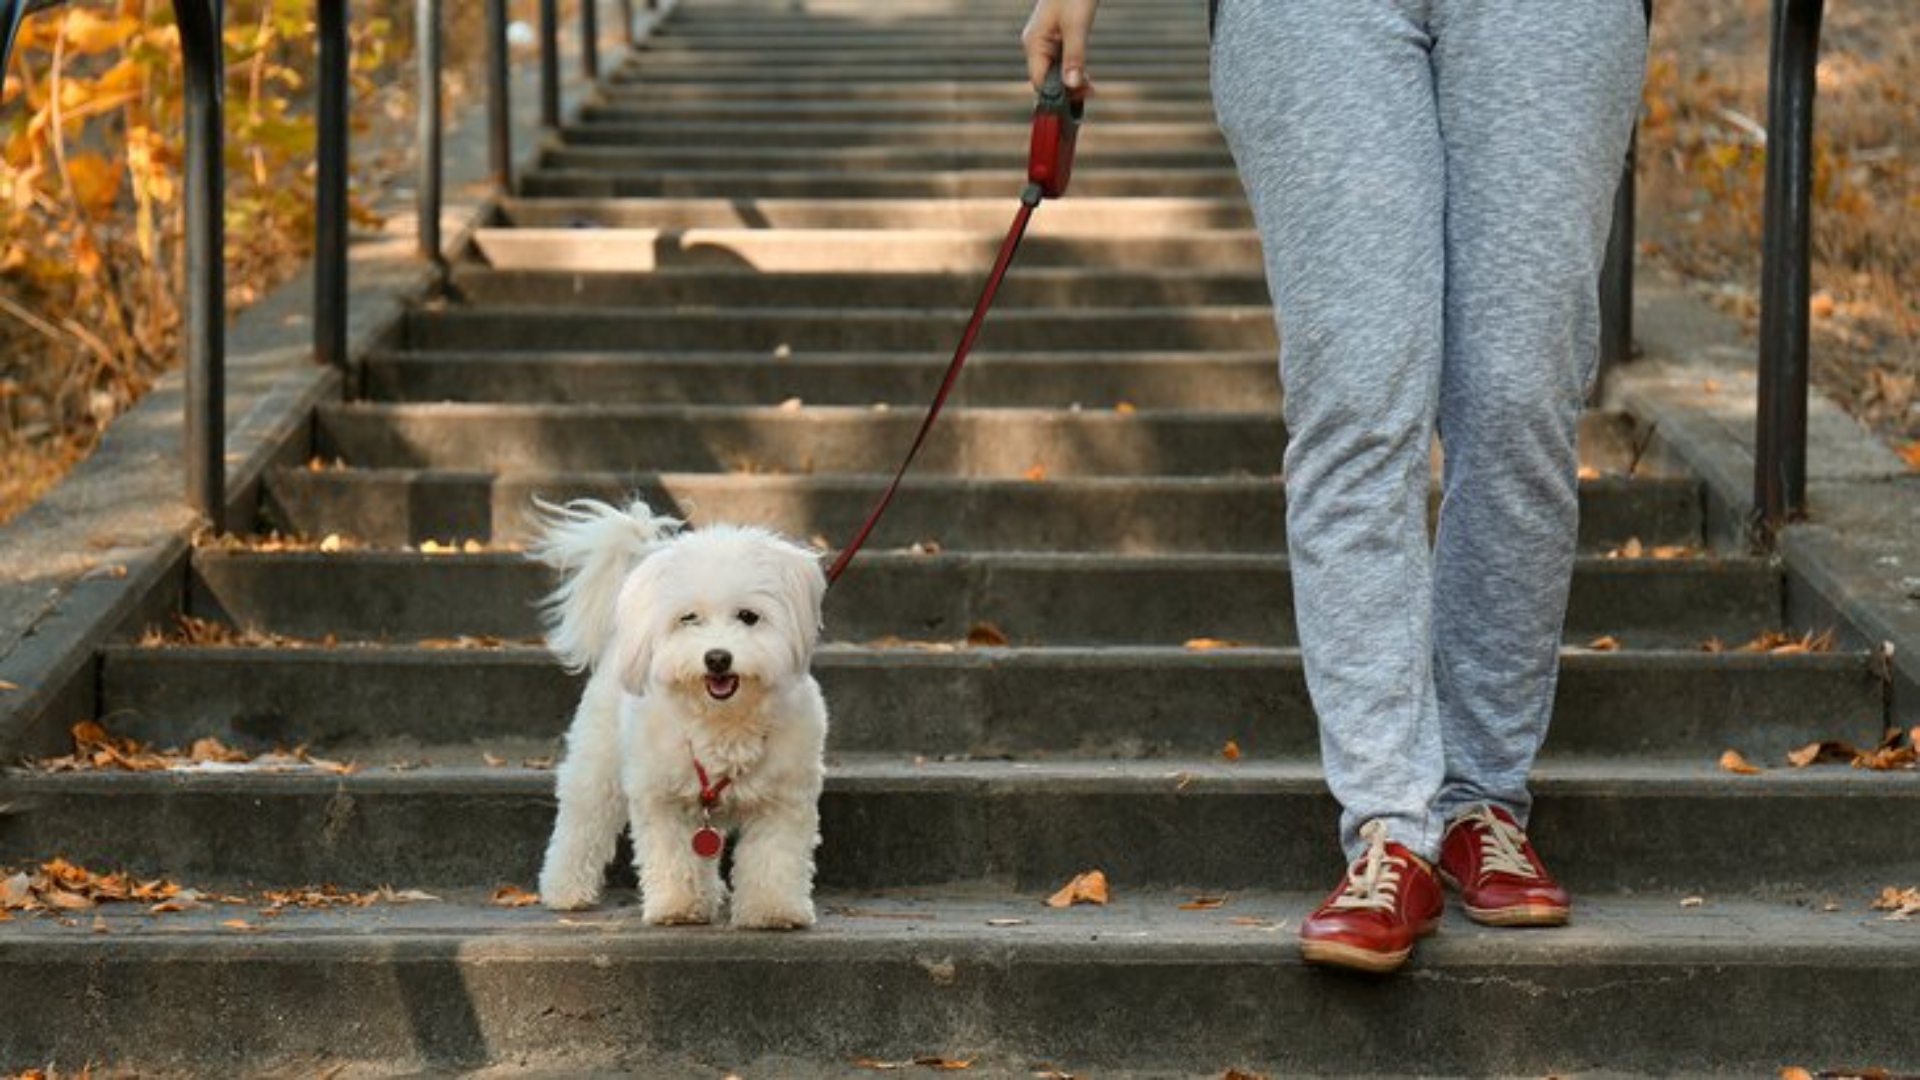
(731, 286)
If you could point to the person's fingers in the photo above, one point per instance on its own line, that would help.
(1076, 24)
(1041, 41)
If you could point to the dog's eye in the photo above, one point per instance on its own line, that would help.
(748, 617)
(689, 618)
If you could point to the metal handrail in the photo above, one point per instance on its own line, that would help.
(1786, 260)
(204, 193)
(1781, 430)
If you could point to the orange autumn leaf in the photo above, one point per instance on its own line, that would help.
(1910, 453)
(1734, 763)
(1201, 644)
(987, 635)
(1231, 751)
(1204, 903)
(1815, 752)
(96, 183)
(1035, 473)
(1608, 643)
(1795, 1072)
(514, 896)
(1087, 888)
(1126, 408)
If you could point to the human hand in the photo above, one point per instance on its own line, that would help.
(1057, 30)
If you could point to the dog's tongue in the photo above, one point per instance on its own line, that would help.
(721, 687)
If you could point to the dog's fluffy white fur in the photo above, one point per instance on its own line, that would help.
(698, 644)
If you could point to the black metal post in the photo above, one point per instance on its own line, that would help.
(1616, 274)
(499, 103)
(550, 63)
(1780, 440)
(330, 196)
(206, 430)
(589, 39)
(427, 33)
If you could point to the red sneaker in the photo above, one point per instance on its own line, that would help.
(1485, 855)
(1389, 900)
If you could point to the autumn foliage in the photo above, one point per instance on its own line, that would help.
(91, 211)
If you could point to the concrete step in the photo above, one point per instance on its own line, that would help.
(821, 86)
(766, 328)
(985, 216)
(888, 821)
(877, 252)
(1140, 516)
(986, 975)
(1051, 599)
(1003, 110)
(958, 184)
(996, 138)
(1217, 380)
(985, 443)
(476, 285)
(1005, 66)
(394, 703)
(1008, 156)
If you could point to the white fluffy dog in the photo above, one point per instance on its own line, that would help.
(699, 718)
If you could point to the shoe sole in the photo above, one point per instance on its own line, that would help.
(1528, 915)
(1338, 954)
(1524, 915)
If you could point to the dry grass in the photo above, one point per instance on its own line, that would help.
(1702, 161)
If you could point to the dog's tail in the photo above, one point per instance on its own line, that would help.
(594, 546)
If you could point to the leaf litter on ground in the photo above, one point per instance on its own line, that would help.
(97, 749)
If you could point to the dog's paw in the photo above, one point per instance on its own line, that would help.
(560, 894)
(777, 915)
(678, 912)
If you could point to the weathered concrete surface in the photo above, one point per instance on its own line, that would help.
(1855, 562)
(1138, 988)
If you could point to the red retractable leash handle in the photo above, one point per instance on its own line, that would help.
(1056, 127)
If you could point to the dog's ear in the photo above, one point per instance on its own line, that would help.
(805, 592)
(637, 625)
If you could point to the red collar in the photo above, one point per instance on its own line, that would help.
(709, 791)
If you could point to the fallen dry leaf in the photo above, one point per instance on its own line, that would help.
(1900, 904)
(6, 685)
(1203, 643)
(1231, 751)
(1087, 888)
(1693, 901)
(1257, 923)
(924, 1062)
(1712, 645)
(1035, 473)
(1588, 472)
(1125, 408)
(1814, 753)
(1006, 922)
(987, 635)
(390, 895)
(1780, 643)
(514, 896)
(1239, 1074)
(1910, 453)
(1795, 1072)
(1204, 903)
(1607, 643)
(1733, 762)
(236, 924)
(493, 760)
(792, 404)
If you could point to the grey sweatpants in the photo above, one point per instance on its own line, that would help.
(1432, 181)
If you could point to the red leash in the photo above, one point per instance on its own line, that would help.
(1056, 121)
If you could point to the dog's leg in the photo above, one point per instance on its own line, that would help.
(588, 786)
(677, 887)
(773, 868)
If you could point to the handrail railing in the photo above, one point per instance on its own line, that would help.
(1781, 432)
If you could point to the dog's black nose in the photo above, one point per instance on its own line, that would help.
(719, 661)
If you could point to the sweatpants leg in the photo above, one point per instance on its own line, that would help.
(1536, 102)
(1328, 107)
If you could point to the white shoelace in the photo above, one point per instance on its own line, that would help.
(1500, 842)
(1373, 882)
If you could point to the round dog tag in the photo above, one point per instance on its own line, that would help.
(707, 842)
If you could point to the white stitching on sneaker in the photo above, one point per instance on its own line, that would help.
(1374, 880)
(1500, 851)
